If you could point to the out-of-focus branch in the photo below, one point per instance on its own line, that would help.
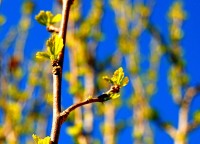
(192, 126)
(190, 93)
(109, 126)
(183, 127)
(169, 129)
(161, 40)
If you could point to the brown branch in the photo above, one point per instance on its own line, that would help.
(63, 28)
(52, 29)
(56, 125)
(167, 127)
(57, 75)
(66, 112)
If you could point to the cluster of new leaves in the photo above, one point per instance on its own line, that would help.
(47, 18)
(39, 140)
(54, 46)
(118, 81)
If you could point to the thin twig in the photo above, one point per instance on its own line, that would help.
(190, 93)
(66, 112)
(192, 126)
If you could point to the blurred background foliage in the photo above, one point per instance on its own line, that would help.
(102, 36)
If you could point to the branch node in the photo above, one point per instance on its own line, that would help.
(52, 29)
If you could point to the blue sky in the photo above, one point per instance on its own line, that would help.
(161, 101)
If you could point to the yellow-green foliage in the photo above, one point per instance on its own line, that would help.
(54, 47)
(47, 18)
(39, 140)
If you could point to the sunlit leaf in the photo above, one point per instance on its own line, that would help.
(35, 138)
(114, 96)
(58, 44)
(118, 76)
(42, 18)
(47, 18)
(42, 55)
(117, 80)
(54, 44)
(39, 140)
(56, 18)
(124, 82)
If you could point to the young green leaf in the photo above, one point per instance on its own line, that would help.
(54, 46)
(118, 76)
(47, 18)
(42, 55)
(124, 82)
(42, 18)
(38, 140)
(56, 18)
(118, 80)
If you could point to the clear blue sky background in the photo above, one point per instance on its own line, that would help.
(161, 101)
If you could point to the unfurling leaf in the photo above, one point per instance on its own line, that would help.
(47, 18)
(118, 76)
(124, 82)
(42, 55)
(39, 140)
(54, 45)
(56, 18)
(43, 17)
(117, 80)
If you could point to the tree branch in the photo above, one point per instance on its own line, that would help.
(63, 27)
(192, 126)
(57, 75)
(170, 130)
(66, 112)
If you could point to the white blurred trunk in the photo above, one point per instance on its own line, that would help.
(109, 124)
